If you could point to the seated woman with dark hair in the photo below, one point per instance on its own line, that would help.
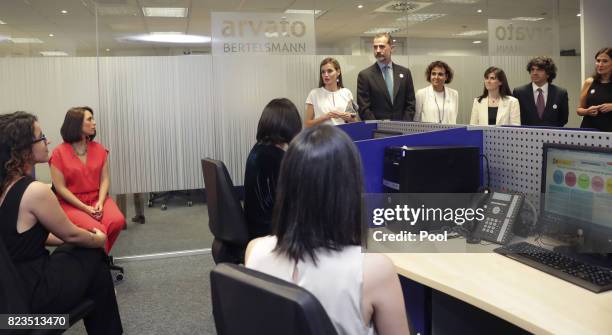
(279, 122)
(79, 170)
(31, 217)
(317, 235)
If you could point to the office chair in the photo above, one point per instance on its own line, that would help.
(225, 214)
(246, 301)
(12, 297)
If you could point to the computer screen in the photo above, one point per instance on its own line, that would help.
(577, 192)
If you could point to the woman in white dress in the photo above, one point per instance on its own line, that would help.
(317, 234)
(437, 103)
(330, 103)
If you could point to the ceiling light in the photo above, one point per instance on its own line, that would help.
(382, 30)
(527, 18)
(415, 18)
(479, 11)
(53, 53)
(2, 22)
(317, 12)
(477, 42)
(107, 49)
(471, 33)
(164, 11)
(360, 6)
(51, 35)
(63, 11)
(579, 15)
(167, 37)
(25, 40)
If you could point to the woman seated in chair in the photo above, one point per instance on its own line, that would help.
(79, 170)
(317, 234)
(31, 217)
(279, 122)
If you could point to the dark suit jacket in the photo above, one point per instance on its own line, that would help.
(555, 113)
(373, 98)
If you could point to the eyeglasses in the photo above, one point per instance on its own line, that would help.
(41, 138)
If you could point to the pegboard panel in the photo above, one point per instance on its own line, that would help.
(414, 127)
(515, 155)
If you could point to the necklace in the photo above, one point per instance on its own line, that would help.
(440, 113)
(79, 153)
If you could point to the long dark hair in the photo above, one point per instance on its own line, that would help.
(336, 65)
(280, 121)
(16, 136)
(72, 128)
(607, 51)
(318, 199)
(504, 89)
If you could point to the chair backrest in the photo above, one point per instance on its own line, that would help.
(225, 215)
(246, 301)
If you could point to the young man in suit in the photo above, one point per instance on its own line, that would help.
(385, 90)
(542, 103)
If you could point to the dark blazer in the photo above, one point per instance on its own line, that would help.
(373, 98)
(555, 112)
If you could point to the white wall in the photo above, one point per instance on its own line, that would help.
(595, 31)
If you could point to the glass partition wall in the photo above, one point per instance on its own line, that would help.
(174, 81)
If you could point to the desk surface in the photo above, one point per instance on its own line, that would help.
(524, 296)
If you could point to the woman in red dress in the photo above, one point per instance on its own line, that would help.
(79, 170)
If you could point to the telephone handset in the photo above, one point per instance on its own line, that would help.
(501, 212)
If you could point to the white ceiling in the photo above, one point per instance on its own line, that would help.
(75, 32)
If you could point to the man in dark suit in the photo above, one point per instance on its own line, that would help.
(542, 103)
(385, 90)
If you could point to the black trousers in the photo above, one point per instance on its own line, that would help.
(72, 274)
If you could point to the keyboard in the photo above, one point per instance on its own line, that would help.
(591, 277)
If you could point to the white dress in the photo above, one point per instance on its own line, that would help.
(336, 281)
(324, 101)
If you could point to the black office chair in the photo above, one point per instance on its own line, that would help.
(12, 297)
(225, 214)
(246, 301)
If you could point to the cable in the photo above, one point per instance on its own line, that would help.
(488, 171)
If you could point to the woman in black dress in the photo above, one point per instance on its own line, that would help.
(596, 94)
(30, 218)
(279, 123)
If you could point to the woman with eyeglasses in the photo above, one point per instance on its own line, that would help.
(30, 218)
(79, 170)
(330, 103)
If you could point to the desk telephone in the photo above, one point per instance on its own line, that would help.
(501, 212)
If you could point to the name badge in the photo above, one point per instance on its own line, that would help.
(593, 91)
(555, 106)
(401, 75)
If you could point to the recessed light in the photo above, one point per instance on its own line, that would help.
(107, 49)
(25, 40)
(479, 11)
(360, 6)
(527, 18)
(2, 22)
(53, 53)
(51, 35)
(477, 42)
(167, 37)
(63, 11)
(471, 33)
(165, 11)
(579, 15)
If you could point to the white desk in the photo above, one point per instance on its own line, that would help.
(524, 296)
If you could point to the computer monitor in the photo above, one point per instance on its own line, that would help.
(577, 194)
(379, 133)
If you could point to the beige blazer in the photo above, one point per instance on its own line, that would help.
(444, 112)
(508, 112)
